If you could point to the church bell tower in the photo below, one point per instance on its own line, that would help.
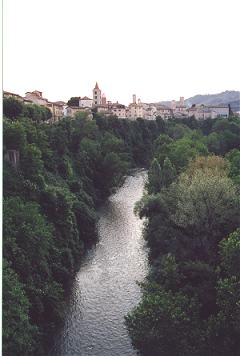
(97, 97)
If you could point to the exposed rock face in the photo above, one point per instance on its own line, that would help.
(12, 156)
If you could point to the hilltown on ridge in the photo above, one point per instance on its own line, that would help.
(137, 109)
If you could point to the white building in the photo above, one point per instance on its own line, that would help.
(85, 102)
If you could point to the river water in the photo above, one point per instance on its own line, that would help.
(105, 288)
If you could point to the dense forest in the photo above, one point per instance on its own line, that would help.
(191, 297)
(64, 171)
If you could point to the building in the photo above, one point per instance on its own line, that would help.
(104, 99)
(71, 111)
(85, 102)
(102, 108)
(135, 109)
(57, 108)
(164, 111)
(36, 98)
(118, 110)
(8, 94)
(179, 109)
(202, 112)
(97, 97)
(221, 110)
(150, 112)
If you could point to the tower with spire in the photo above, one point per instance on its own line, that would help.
(97, 97)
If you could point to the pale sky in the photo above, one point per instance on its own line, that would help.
(156, 49)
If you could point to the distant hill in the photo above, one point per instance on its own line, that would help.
(224, 98)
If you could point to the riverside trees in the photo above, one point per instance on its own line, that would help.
(65, 171)
(190, 303)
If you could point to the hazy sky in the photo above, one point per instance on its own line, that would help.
(158, 49)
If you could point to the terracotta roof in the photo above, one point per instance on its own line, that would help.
(8, 92)
(96, 86)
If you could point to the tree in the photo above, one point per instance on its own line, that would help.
(155, 183)
(185, 149)
(73, 101)
(218, 165)
(18, 333)
(165, 323)
(14, 135)
(168, 172)
(223, 332)
(230, 254)
(207, 207)
(36, 112)
(12, 108)
(178, 131)
(234, 158)
(31, 163)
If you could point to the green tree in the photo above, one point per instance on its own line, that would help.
(168, 172)
(19, 335)
(14, 135)
(12, 108)
(207, 207)
(155, 182)
(223, 332)
(234, 158)
(165, 323)
(36, 112)
(73, 101)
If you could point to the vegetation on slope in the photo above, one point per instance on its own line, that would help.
(65, 171)
(191, 298)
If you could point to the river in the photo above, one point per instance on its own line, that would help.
(105, 288)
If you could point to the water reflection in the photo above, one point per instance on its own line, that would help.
(105, 289)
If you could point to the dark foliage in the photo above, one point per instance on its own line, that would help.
(190, 303)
